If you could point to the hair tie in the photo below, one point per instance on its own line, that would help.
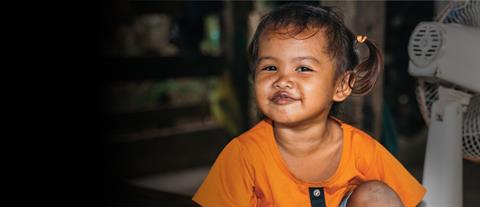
(361, 38)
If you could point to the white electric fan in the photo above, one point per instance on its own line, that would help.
(445, 59)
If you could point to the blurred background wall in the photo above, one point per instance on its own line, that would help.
(175, 88)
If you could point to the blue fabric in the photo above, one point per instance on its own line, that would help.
(345, 200)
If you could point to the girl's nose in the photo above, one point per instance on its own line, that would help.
(283, 82)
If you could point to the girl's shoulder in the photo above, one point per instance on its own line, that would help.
(354, 134)
(358, 138)
(262, 132)
(359, 143)
(363, 149)
(255, 145)
(255, 141)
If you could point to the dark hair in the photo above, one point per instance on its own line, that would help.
(342, 44)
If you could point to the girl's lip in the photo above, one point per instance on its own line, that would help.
(283, 98)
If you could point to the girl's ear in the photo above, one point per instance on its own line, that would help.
(343, 87)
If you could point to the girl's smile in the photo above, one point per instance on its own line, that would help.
(283, 98)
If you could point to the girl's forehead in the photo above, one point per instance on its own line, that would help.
(313, 40)
(292, 32)
(314, 36)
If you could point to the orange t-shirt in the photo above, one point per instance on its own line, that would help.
(250, 172)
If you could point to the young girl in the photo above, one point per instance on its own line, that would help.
(304, 60)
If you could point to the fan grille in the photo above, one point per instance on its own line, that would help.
(425, 44)
(466, 13)
(471, 129)
(427, 94)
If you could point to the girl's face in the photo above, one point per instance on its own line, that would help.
(295, 79)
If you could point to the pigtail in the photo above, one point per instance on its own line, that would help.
(365, 75)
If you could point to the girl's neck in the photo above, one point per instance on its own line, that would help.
(301, 141)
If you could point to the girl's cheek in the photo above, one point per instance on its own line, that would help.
(261, 87)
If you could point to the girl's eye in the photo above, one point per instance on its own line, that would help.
(270, 68)
(303, 69)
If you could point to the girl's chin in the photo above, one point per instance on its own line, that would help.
(292, 121)
(284, 116)
(284, 120)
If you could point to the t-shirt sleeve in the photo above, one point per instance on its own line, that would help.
(230, 180)
(385, 167)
